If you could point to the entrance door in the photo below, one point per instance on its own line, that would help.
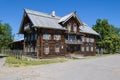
(72, 49)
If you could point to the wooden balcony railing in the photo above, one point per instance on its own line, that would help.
(73, 41)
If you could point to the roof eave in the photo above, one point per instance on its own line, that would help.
(49, 27)
(90, 33)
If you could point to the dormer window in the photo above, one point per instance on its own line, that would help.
(69, 27)
(75, 28)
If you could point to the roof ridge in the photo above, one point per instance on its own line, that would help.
(37, 13)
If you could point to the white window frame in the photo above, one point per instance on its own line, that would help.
(46, 36)
(87, 39)
(69, 27)
(57, 49)
(91, 40)
(82, 49)
(46, 50)
(75, 28)
(91, 49)
(87, 48)
(83, 39)
(57, 37)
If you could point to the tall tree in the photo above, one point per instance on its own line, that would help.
(5, 35)
(109, 36)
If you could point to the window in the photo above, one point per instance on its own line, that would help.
(87, 39)
(87, 48)
(46, 50)
(32, 37)
(27, 26)
(82, 49)
(72, 37)
(57, 37)
(83, 39)
(57, 49)
(28, 37)
(35, 49)
(91, 48)
(46, 36)
(91, 40)
(75, 28)
(35, 36)
(76, 48)
(32, 49)
(69, 27)
(68, 48)
(25, 49)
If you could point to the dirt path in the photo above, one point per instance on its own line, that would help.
(101, 68)
(2, 62)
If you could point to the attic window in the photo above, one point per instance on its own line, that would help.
(69, 27)
(75, 28)
(27, 27)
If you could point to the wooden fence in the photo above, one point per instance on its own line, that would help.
(19, 53)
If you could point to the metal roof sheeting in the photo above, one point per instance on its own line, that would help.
(86, 29)
(43, 20)
(65, 17)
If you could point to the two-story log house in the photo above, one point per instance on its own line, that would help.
(50, 35)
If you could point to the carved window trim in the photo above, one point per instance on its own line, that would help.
(69, 27)
(82, 48)
(46, 50)
(46, 36)
(57, 37)
(74, 27)
(57, 49)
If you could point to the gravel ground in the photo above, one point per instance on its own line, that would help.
(100, 68)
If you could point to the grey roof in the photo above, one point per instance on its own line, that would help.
(86, 29)
(18, 40)
(64, 18)
(67, 17)
(43, 20)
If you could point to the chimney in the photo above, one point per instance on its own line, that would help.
(53, 14)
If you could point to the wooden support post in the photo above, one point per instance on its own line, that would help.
(40, 47)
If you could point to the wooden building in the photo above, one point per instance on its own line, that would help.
(17, 44)
(50, 35)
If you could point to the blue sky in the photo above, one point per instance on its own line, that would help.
(11, 11)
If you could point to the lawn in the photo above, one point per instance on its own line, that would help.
(12, 61)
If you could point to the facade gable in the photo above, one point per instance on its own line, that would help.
(26, 22)
(72, 25)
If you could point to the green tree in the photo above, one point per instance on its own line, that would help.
(109, 36)
(5, 35)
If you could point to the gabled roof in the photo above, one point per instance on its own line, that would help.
(64, 18)
(67, 17)
(86, 29)
(43, 20)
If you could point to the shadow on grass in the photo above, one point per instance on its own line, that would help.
(2, 56)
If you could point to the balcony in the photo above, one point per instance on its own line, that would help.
(73, 41)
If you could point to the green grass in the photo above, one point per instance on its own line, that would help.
(13, 62)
